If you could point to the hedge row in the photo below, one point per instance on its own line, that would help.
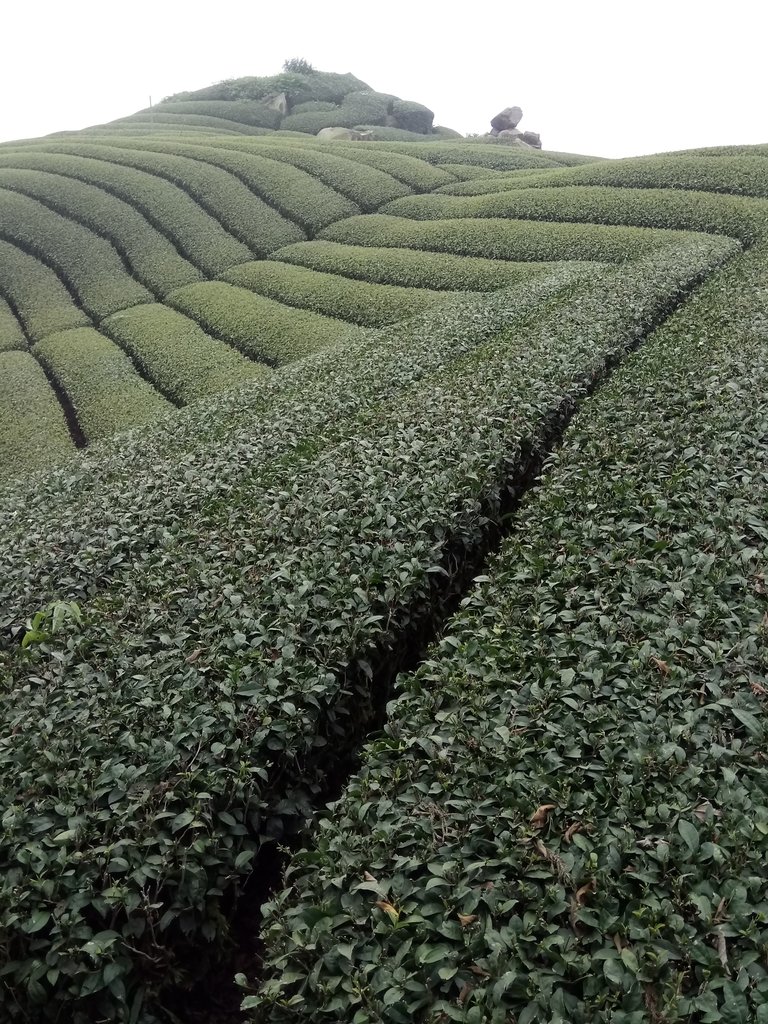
(177, 356)
(417, 174)
(409, 268)
(223, 195)
(471, 172)
(367, 187)
(11, 332)
(150, 256)
(87, 263)
(233, 433)
(736, 175)
(359, 302)
(307, 203)
(742, 175)
(500, 239)
(222, 677)
(41, 301)
(32, 423)
(566, 818)
(745, 219)
(496, 157)
(170, 119)
(267, 331)
(100, 382)
(197, 236)
(244, 111)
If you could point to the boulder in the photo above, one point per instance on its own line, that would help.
(509, 134)
(532, 138)
(343, 135)
(509, 117)
(277, 101)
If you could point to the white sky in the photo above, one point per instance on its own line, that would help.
(592, 76)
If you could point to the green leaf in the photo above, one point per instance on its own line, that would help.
(752, 724)
(689, 833)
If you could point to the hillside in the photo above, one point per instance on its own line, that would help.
(443, 499)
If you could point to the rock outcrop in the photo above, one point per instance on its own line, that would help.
(343, 135)
(504, 128)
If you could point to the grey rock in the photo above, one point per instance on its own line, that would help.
(509, 117)
(532, 138)
(277, 101)
(343, 135)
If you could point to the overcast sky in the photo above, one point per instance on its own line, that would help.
(606, 78)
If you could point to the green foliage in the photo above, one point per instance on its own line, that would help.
(409, 268)
(233, 641)
(362, 303)
(298, 66)
(195, 233)
(312, 106)
(86, 263)
(417, 174)
(51, 620)
(367, 187)
(101, 382)
(656, 208)
(249, 113)
(500, 239)
(551, 827)
(179, 358)
(168, 118)
(296, 195)
(151, 257)
(33, 431)
(42, 303)
(737, 175)
(11, 331)
(299, 88)
(263, 329)
(496, 157)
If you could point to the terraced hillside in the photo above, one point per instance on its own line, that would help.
(133, 273)
(560, 811)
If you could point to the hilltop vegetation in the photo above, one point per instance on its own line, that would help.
(344, 367)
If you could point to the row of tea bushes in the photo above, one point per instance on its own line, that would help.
(200, 699)
(359, 302)
(176, 355)
(201, 455)
(152, 259)
(100, 381)
(195, 234)
(11, 332)
(567, 815)
(32, 423)
(87, 263)
(742, 218)
(41, 302)
(410, 268)
(263, 329)
(499, 239)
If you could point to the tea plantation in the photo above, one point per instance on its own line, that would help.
(423, 477)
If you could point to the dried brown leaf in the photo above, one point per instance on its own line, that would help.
(662, 666)
(476, 969)
(572, 829)
(540, 815)
(194, 656)
(464, 994)
(466, 919)
(581, 895)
